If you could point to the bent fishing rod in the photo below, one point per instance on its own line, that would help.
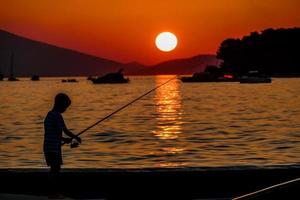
(121, 108)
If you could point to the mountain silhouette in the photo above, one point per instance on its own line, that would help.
(182, 66)
(34, 57)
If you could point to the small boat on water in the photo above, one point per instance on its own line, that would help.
(212, 73)
(116, 77)
(35, 78)
(69, 81)
(12, 77)
(255, 77)
(200, 77)
(208, 77)
(90, 78)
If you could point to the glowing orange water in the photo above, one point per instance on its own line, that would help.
(181, 124)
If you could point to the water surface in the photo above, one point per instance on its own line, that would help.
(179, 125)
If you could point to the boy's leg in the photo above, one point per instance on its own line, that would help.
(54, 160)
(54, 182)
(55, 169)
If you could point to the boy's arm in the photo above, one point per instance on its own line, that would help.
(72, 135)
(66, 140)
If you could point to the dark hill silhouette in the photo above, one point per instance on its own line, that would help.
(34, 57)
(133, 68)
(273, 52)
(182, 66)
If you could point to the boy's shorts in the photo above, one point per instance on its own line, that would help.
(53, 158)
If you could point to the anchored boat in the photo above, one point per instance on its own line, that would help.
(255, 77)
(12, 77)
(35, 78)
(116, 77)
(69, 81)
(208, 77)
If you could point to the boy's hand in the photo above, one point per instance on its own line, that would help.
(67, 140)
(75, 143)
(78, 139)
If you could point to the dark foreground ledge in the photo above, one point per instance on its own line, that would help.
(158, 183)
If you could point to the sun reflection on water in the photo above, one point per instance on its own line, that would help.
(178, 125)
(168, 108)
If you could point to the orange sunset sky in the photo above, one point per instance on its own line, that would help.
(125, 30)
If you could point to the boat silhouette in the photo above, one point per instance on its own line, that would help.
(12, 77)
(255, 77)
(72, 80)
(35, 78)
(212, 73)
(209, 77)
(116, 77)
(90, 78)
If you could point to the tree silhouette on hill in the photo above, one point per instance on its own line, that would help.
(274, 52)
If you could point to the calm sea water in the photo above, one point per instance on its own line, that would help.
(179, 125)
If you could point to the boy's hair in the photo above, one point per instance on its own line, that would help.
(62, 101)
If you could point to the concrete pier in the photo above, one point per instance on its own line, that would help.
(158, 183)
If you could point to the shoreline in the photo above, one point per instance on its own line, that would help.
(182, 183)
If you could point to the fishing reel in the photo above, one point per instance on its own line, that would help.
(74, 144)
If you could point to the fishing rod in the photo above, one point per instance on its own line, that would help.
(73, 145)
(269, 189)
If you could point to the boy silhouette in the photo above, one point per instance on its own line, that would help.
(54, 125)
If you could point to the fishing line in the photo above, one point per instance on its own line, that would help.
(268, 189)
(123, 107)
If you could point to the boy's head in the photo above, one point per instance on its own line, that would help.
(62, 102)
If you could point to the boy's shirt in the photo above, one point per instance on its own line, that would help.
(53, 126)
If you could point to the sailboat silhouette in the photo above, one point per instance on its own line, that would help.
(1, 75)
(12, 77)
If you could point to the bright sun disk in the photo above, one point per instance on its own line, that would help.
(166, 41)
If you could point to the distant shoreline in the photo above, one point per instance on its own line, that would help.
(62, 76)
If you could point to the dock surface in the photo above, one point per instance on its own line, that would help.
(178, 183)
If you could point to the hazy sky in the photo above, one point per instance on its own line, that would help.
(125, 30)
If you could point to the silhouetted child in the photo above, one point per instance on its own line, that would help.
(54, 126)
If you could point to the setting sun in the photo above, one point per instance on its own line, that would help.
(166, 41)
